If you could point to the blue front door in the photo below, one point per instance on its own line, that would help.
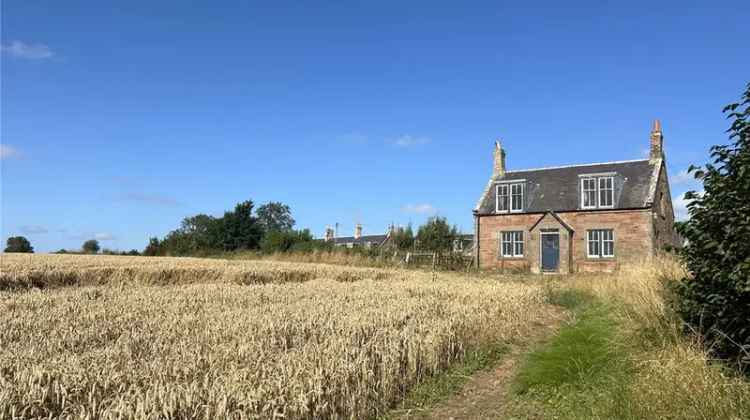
(550, 251)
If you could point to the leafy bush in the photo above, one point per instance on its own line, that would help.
(716, 300)
(19, 244)
(91, 246)
(436, 235)
(285, 240)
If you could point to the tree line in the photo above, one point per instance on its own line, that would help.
(268, 229)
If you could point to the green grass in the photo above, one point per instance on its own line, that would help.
(438, 387)
(579, 355)
(570, 299)
(582, 372)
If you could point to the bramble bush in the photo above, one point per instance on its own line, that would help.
(715, 300)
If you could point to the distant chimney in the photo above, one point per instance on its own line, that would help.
(329, 234)
(498, 168)
(358, 231)
(657, 142)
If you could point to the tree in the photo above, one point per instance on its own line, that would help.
(196, 234)
(240, 229)
(19, 244)
(153, 248)
(403, 238)
(716, 299)
(275, 216)
(202, 232)
(436, 235)
(91, 246)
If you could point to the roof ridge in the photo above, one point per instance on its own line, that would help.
(577, 165)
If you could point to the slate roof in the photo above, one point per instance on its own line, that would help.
(375, 239)
(557, 188)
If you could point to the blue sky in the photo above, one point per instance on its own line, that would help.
(121, 118)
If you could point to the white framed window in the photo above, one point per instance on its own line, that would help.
(502, 203)
(606, 191)
(600, 243)
(597, 192)
(588, 193)
(511, 244)
(516, 197)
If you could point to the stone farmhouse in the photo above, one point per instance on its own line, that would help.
(358, 240)
(461, 244)
(575, 218)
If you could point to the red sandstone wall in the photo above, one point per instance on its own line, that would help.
(633, 230)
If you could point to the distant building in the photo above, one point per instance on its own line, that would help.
(464, 244)
(358, 240)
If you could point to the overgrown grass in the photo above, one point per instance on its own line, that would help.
(624, 356)
(579, 356)
(570, 299)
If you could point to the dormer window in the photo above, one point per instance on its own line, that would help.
(597, 192)
(509, 197)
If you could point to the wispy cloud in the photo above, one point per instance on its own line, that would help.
(424, 208)
(20, 49)
(409, 141)
(104, 236)
(153, 199)
(33, 230)
(683, 177)
(85, 236)
(7, 152)
(680, 203)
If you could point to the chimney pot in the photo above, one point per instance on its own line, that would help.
(656, 150)
(498, 168)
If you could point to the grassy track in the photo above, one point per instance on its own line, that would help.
(624, 357)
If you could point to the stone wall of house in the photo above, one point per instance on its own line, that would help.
(663, 215)
(489, 241)
(633, 232)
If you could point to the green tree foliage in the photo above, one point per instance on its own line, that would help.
(716, 300)
(197, 234)
(19, 244)
(132, 252)
(91, 246)
(275, 216)
(403, 238)
(287, 240)
(436, 235)
(240, 229)
(201, 234)
(153, 248)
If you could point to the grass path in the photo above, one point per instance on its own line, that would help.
(480, 387)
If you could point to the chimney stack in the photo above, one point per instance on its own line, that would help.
(358, 231)
(329, 234)
(498, 168)
(657, 142)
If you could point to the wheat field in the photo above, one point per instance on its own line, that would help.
(137, 337)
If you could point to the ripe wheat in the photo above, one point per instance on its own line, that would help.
(192, 338)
